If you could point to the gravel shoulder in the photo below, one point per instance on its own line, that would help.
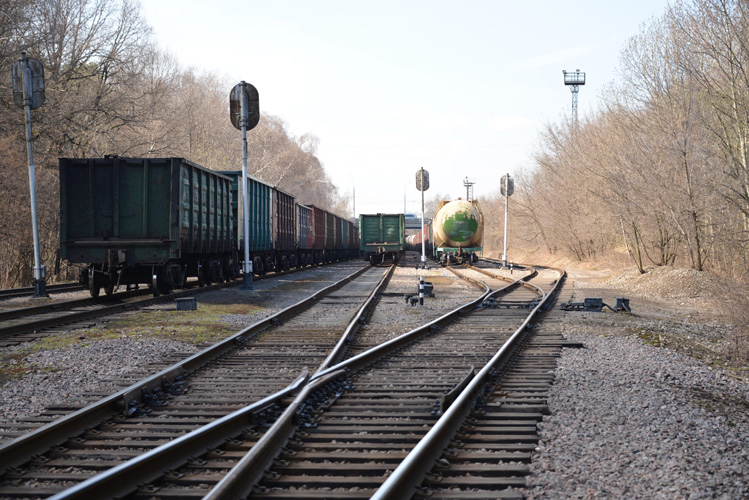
(647, 409)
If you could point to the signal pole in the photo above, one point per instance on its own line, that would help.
(506, 187)
(244, 113)
(28, 93)
(422, 184)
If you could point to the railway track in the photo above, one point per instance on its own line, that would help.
(339, 430)
(244, 368)
(369, 432)
(27, 324)
(28, 291)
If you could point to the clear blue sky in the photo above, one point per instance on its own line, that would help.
(459, 88)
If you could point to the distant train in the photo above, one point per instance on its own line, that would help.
(382, 237)
(454, 234)
(161, 220)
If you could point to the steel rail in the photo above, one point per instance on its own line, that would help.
(374, 354)
(340, 348)
(35, 326)
(65, 304)
(9, 293)
(118, 480)
(22, 449)
(404, 480)
(148, 467)
(530, 275)
(241, 480)
(243, 477)
(371, 356)
(249, 471)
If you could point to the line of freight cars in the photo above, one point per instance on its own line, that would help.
(159, 221)
(455, 233)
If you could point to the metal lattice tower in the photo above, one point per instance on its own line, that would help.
(574, 79)
(468, 183)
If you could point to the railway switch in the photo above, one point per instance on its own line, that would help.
(596, 304)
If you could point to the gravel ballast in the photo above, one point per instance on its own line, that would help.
(630, 418)
(65, 375)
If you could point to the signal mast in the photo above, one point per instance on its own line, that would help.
(574, 80)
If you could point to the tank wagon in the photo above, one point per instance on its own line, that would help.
(382, 236)
(457, 231)
(161, 220)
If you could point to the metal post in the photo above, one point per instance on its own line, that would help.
(507, 206)
(423, 248)
(247, 264)
(421, 290)
(40, 287)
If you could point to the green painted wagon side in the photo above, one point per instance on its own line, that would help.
(129, 213)
(260, 198)
(381, 233)
(152, 209)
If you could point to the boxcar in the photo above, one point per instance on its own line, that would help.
(144, 220)
(381, 236)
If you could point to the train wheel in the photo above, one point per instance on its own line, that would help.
(109, 289)
(93, 289)
(257, 266)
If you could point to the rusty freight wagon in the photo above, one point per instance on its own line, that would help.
(318, 229)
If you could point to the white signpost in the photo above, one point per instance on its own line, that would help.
(422, 184)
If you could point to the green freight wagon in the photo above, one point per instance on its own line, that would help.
(145, 220)
(272, 224)
(382, 236)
